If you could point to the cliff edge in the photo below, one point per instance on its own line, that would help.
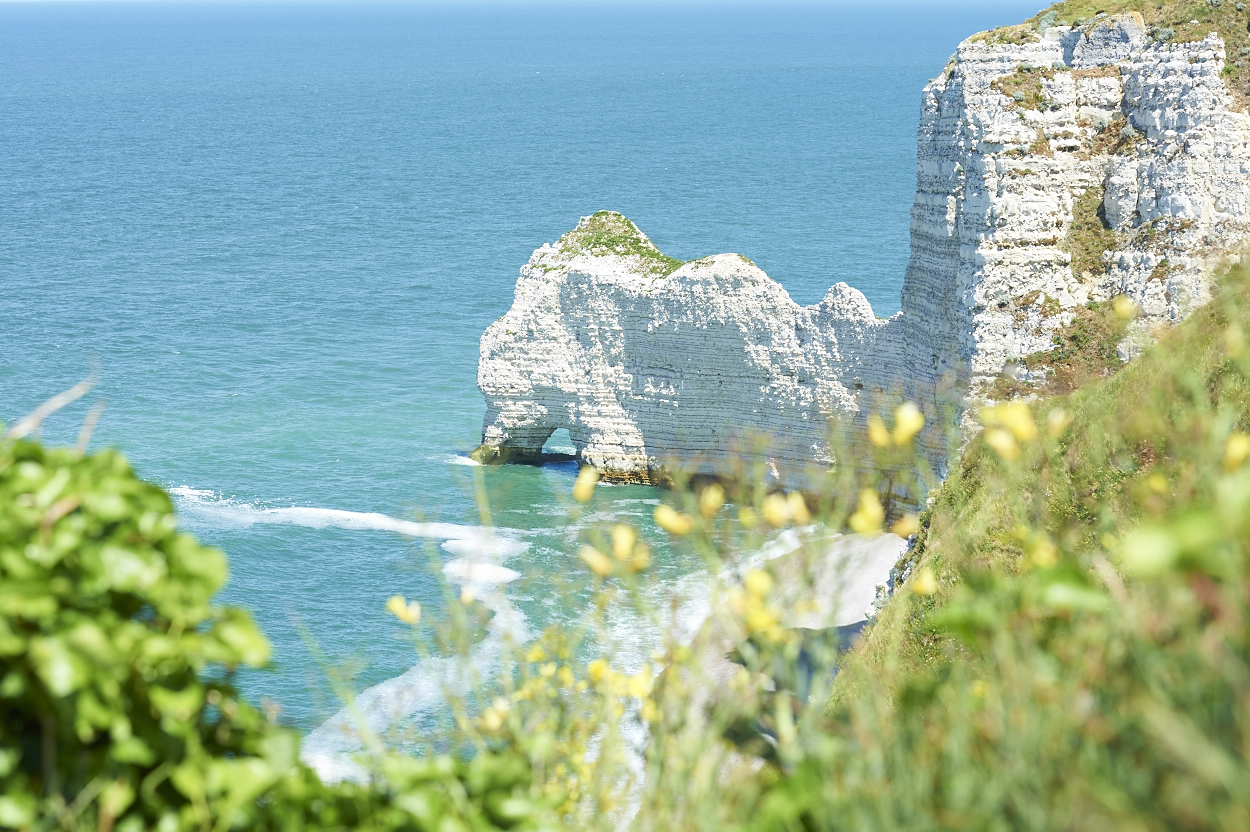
(1060, 166)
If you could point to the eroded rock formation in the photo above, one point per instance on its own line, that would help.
(647, 361)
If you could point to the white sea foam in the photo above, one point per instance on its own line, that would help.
(335, 748)
(472, 572)
(461, 459)
(199, 505)
(485, 545)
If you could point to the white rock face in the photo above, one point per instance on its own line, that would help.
(646, 365)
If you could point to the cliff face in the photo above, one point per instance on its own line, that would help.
(1070, 168)
(643, 363)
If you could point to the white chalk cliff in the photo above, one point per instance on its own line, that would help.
(647, 362)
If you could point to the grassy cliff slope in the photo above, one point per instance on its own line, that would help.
(1069, 648)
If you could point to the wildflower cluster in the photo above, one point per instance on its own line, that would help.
(629, 553)
(750, 604)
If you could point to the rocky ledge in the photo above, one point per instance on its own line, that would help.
(1066, 168)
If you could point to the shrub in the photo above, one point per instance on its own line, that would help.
(116, 708)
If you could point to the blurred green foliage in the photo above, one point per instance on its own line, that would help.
(1070, 650)
(116, 708)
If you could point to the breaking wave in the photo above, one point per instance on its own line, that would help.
(203, 507)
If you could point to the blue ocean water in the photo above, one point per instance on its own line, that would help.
(281, 229)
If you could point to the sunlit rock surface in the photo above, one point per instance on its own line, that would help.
(647, 361)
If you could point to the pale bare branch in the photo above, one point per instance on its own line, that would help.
(88, 425)
(31, 423)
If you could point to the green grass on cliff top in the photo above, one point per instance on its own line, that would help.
(607, 232)
(1171, 21)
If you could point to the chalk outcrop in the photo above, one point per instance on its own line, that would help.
(646, 361)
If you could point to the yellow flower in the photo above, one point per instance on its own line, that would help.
(1003, 443)
(409, 613)
(747, 517)
(584, 488)
(1234, 341)
(1045, 553)
(492, 720)
(711, 500)
(1158, 483)
(566, 677)
(979, 689)
(597, 670)
(672, 521)
(1018, 418)
(1057, 422)
(493, 717)
(466, 596)
(776, 510)
(760, 619)
(641, 559)
(596, 560)
(908, 420)
(1124, 308)
(536, 654)
(640, 683)
(1236, 449)
(649, 711)
(869, 516)
(925, 582)
(798, 507)
(623, 540)
(758, 583)
(906, 526)
(548, 670)
(877, 433)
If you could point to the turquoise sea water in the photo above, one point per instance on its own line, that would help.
(281, 230)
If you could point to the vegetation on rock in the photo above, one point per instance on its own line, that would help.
(1167, 21)
(607, 232)
(116, 706)
(1089, 236)
(1023, 88)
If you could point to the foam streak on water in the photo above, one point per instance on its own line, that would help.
(338, 748)
(205, 507)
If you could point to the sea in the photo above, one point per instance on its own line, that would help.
(275, 232)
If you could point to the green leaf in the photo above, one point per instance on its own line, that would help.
(280, 750)
(13, 685)
(60, 668)
(181, 705)
(188, 778)
(1148, 552)
(132, 750)
(10, 642)
(17, 811)
(131, 571)
(205, 565)
(117, 798)
(1074, 597)
(8, 760)
(421, 804)
(237, 631)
